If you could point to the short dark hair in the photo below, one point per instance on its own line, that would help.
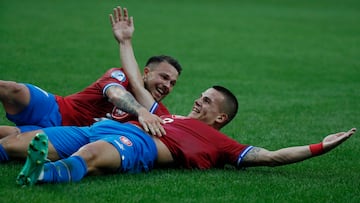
(231, 105)
(164, 58)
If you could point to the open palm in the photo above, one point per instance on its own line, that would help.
(331, 141)
(122, 25)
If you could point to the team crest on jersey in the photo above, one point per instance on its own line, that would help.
(125, 141)
(172, 118)
(118, 114)
(119, 75)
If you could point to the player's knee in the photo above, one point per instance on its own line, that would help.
(8, 130)
(13, 146)
(10, 88)
(90, 154)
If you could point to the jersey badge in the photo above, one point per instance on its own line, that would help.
(119, 75)
(119, 115)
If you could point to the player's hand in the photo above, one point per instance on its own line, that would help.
(151, 123)
(122, 25)
(332, 141)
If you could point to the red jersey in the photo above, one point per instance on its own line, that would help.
(193, 144)
(82, 108)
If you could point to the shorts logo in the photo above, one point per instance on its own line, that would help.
(126, 141)
(119, 75)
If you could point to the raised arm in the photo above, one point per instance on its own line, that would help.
(123, 29)
(262, 157)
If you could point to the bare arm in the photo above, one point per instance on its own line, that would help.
(262, 157)
(125, 101)
(123, 29)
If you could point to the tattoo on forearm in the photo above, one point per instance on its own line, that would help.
(252, 155)
(128, 104)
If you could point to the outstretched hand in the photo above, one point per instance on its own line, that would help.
(122, 25)
(332, 141)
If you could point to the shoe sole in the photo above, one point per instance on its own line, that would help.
(37, 153)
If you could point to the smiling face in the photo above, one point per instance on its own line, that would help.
(208, 108)
(160, 79)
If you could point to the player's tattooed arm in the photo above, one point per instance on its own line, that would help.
(253, 157)
(288, 155)
(123, 100)
(258, 156)
(262, 157)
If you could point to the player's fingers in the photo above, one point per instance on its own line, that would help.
(158, 128)
(131, 21)
(116, 15)
(126, 17)
(162, 131)
(152, 130)
(351, 132)
(119, 13)
(111, 19)
(144, 125)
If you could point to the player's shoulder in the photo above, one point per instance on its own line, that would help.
(116, 73)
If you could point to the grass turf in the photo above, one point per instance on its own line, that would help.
(294, 67)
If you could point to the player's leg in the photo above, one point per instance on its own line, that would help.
(134, 151)
(15, 146)
(37, 153)
(28, 107)
(8, 130)
(14, 98)
(95, 158)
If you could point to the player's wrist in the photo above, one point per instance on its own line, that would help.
(316, 149)
(141, 111)
(125, 41)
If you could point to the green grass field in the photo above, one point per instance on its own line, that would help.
(294, 66)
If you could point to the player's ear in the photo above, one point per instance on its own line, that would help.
(146, 70)
(222, 118)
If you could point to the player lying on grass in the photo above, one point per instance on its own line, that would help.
(159, 79)
(31, 108)
(190, 142)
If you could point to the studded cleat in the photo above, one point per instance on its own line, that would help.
(37, 153)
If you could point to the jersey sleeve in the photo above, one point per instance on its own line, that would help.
(114, 76)
(234, 152)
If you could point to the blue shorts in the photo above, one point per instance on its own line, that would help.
(68, 139)
(137, 149)
(42, 111)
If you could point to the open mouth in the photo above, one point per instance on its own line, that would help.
(158, 94)
(196, 110)
(160, 91)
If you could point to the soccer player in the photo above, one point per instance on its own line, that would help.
(160, 76)
(32, 108)
(190, 142)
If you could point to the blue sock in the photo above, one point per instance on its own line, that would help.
(3, 155)
(71, 169)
